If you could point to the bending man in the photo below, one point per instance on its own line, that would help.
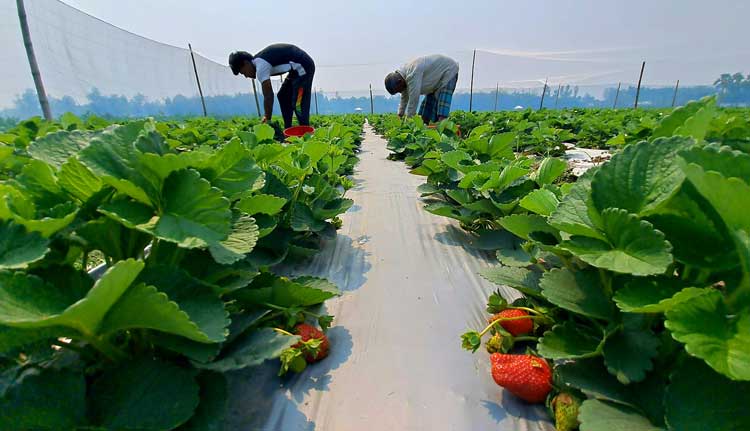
(276, 59)
(435, 76)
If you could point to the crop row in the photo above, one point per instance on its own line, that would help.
(635, 276)
(189, 218)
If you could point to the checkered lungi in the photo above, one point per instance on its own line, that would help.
(438, 104)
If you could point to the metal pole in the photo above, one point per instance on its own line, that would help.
(557, 98)
(471, 87)
(676, 87)
(43, 101)
(372, 105)
(315, 93)
(544, 91)
(617, 95)
(255, 93)
(497, 94)
(638, 91)
(198, 80)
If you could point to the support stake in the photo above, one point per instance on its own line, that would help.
(557, 98)
(471, 87)
(315, 93)
(544, 91)
(372, 105)
(198, 80)
(676, 87)
(497, 94)
(617, 95)
(255, 93)
(43, 101)
(316, 101)
(638, 91)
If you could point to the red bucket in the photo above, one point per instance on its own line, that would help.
(298, 131)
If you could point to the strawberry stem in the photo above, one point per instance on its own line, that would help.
(281, 331)
(508, 319)
(530, 310)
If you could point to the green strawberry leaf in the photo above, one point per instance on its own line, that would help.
(640, 178)
(629, 352)
(677, 118)
(143, 394)
(549, 170)
(251, 349)
(576, 213)
(241, 241)
(303, 219)
(261, 204)
(580, 292)
(195, 214)
(633, 246)
(211, 412)
(697, 125)
(523, 225)
(444, 209)
(699, 399)
(283, 292)
(51, 399)
(540, 201)
(458, 160)
(193, 350)
(39, 182)
(592, 378)
(653, 295)
(569, 341)
(30, 303)
(232, 170)
(596, 415)
(57, 148)
(113, 239)
(19, 248)
(514, 254)
(521, 279)
(113, 157)
(724, 160)
(78, 181)
(710, 332)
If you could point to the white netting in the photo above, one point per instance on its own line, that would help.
(90, 65)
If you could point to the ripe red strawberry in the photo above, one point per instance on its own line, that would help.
(515, 327)
(308, 332)
(526, 376)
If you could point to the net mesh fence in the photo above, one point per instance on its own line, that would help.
(88, 65)
(91, 66)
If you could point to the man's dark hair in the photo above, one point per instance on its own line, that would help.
(237, 59)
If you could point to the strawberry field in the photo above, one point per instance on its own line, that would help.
(635, 276)
(204, 274)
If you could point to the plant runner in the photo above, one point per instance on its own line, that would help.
(435, 76)
(274, 60)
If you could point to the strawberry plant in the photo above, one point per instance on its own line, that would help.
(476, 180)
(641, 275)
(186, 293)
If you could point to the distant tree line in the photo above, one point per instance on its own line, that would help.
(732, 90)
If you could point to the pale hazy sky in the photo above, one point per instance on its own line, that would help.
(521, 42)
(390, 31)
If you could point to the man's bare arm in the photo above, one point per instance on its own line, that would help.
(267, 99)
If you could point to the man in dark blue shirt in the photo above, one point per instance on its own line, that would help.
(294, 94)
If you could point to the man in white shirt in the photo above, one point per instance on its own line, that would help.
(435, 76)
(279, 58)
